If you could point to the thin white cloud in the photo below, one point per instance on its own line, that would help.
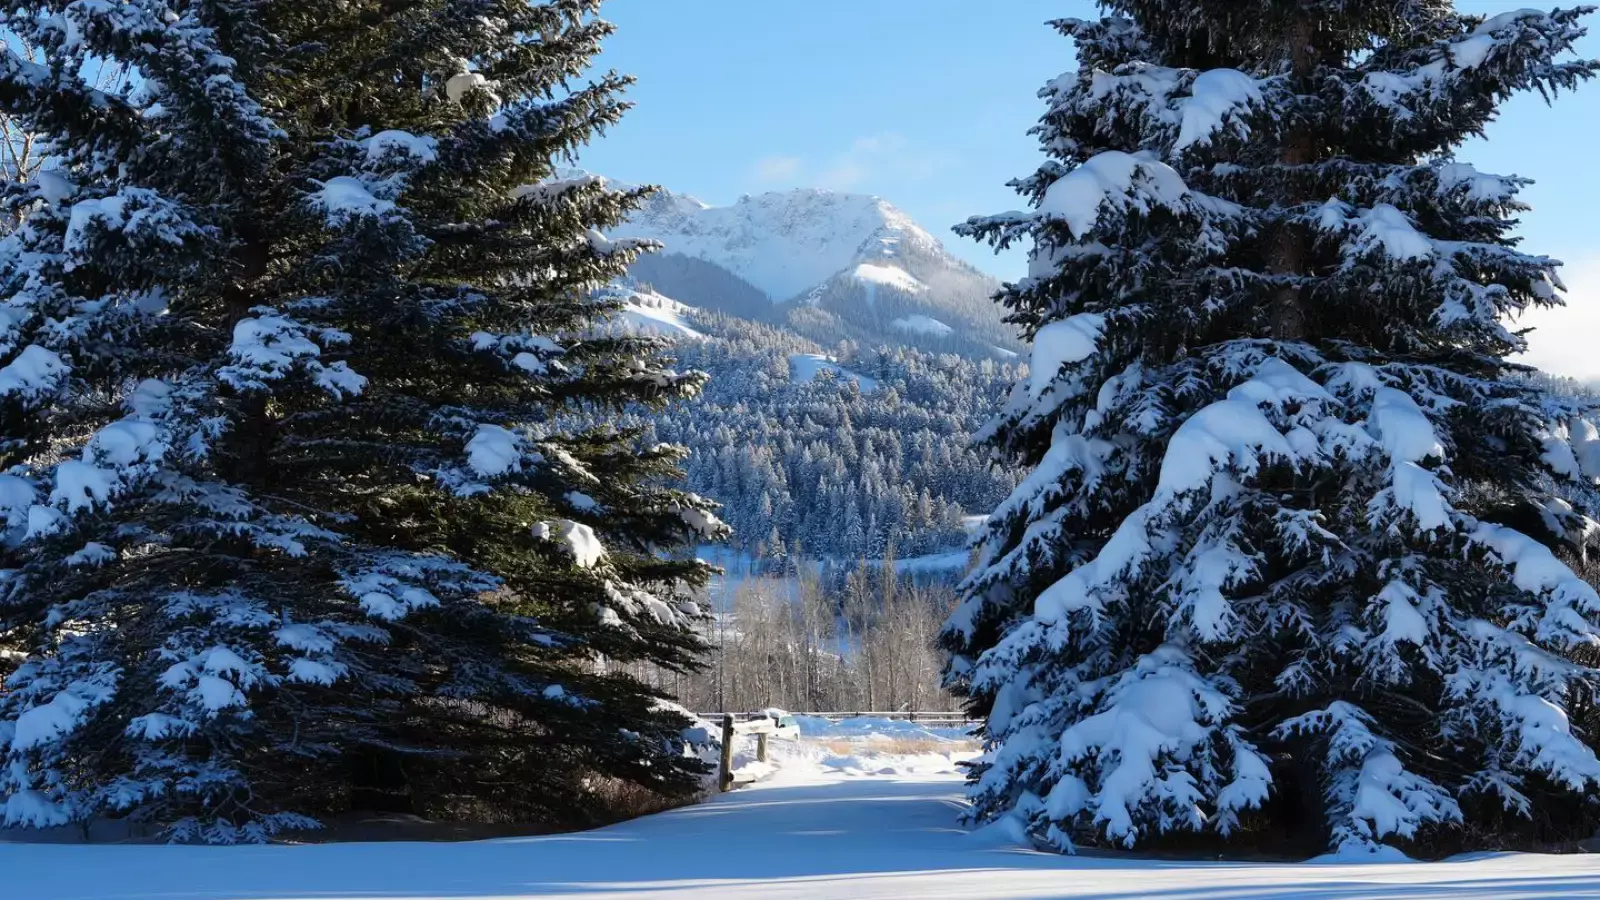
(1566, 340)
(886, 155)
(868, 159)
(842, 175)
(770, 169)
(865, 156)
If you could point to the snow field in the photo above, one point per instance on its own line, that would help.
(659, 321)
(920, 324)
(855, 747)
(805, 367)
(649, 313)
(873, 275)
(864, 826)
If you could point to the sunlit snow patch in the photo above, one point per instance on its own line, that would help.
(889, 276)
(920, 324)
(578, 539)
(805, 367)
(1071, 340)
(651, 313)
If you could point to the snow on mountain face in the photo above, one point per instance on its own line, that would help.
(786, 243)
(825, 266)
(873, 275)
(649, 313)
(893, 276)
(805, 367)
(658, 315)
(919, 324)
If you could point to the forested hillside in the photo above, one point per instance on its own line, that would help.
(851, 358)
(819, 467)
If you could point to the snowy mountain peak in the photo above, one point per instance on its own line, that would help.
(826, 265)
(783, 242)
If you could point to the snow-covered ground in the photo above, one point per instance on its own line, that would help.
(866, 824)
(920, 324)
(647, 312)
(805, 367)
(873, 733)
(949, 562)
(877, 274)
(658, 315)
(853, 748)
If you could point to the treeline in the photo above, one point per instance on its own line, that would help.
(864, 643)
(824, 469)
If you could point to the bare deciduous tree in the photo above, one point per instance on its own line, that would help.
(793, 643)
(22, 151)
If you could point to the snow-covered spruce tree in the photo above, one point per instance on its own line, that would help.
(298, 344)
(1285, 552)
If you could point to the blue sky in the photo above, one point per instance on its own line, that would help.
(923, 102)
(927, 104)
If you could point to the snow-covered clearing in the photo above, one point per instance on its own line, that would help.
(920, 324)
(874, 733)
(664, 321)
(805, 367)
(864, 825)
(649, 313)
(952, 562)
(874, 274)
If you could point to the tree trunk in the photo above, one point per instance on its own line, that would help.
(250, 443)
(1289, 252)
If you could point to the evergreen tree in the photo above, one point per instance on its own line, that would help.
(303, 493)
(1286, 549)
(774, 450)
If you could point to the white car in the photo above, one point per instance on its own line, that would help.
(784, 725)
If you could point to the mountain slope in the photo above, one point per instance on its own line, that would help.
(831, 266)
(783, 243)
(850, 359)
(647, 312)
(821, 452)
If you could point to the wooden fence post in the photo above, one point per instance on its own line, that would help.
(761, 747)
(725, 776)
